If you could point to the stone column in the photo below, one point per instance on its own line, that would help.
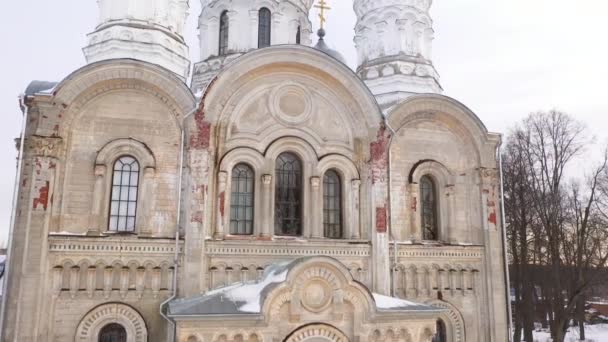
(99, 197)
(233, 31)
(355, 222)
(449, 233)
(220, 230)
(266, 201)
(144, 219)
(277, 32)
(316, 209)
(415, 220)
(91, 281)
(254, 26)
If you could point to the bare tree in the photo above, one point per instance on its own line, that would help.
(553, 226)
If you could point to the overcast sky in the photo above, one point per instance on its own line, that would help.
(503, 59)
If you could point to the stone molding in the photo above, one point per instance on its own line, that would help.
(472, 253)
(104, 76)
(453, 320)
(287, 248)
(79, 245)
(90, 326)
(317, 332)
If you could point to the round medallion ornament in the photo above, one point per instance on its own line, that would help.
(316, 295)
(291, 104)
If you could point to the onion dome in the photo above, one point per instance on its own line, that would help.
(322, 46)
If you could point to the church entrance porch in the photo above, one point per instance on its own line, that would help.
(310, 299)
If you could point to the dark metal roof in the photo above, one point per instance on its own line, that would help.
(36, 87)
(248, 298)
(322, 46)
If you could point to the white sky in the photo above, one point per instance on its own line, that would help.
(503, 59)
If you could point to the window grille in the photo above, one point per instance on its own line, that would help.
(123, 206)
(332, 205)
(241, 200)
(428, 195)
(264, 27)
(288, 195)
(224, 30)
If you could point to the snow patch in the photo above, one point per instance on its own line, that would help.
(67, 234)
(251, 294)
(385, 302)
(593, 333)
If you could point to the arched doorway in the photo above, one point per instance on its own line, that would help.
(113, 332)
(317, 333)
(441, 335)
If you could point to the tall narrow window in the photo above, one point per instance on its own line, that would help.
(428, 212)
(125, 183)
(332, 205)
(241, 200)
(298, 34)
(224, 30)
(113, 332)
(441, 335)
(264, 28)
(288, 195)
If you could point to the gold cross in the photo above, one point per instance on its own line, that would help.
(322, 6)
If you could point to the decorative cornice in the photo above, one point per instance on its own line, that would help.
(295, 248)
(112, 246)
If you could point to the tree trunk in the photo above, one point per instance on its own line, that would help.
(580, 317)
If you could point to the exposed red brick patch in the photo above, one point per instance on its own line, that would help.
(43, 197)
(197, 217)
(492, 217)
(415, 204)
(202, 138)
(379, 155)
(222, 203)
(381, 220)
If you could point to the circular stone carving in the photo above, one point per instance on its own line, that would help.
(291, 104)
(317, 333)
(316, 295)
(90, 326)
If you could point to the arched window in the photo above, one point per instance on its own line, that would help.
(264, 19)
(299, 34)
(113, 332)
(441, 335)
(288, 195)
(123, 206)
(224, 30)
(241, 200)
(428, 212)
(332, 205)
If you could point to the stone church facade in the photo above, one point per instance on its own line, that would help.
(279, 197)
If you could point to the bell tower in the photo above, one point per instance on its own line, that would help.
(230, 28)
(394, 46)
(147, 30)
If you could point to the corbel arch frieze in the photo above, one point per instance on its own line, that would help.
(92, 323)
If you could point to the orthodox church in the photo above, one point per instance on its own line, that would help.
(280, 196)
